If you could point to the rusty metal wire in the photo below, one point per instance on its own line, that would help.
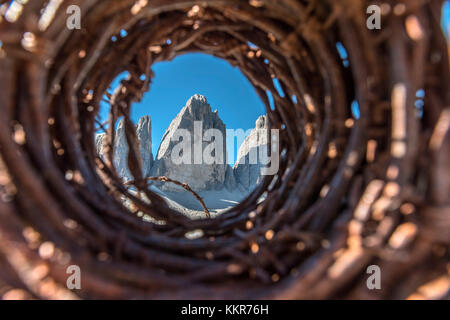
(181, 184)
(351, 191)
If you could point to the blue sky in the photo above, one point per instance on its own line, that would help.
(225, 87)
(446, 18)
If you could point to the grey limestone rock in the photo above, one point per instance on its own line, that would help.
(199, 175)
(252, 155)
(144, 134)
(120, 156)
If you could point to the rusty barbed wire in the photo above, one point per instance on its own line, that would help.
(178, 183)
(352, 190)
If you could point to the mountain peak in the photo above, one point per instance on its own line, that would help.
(198, 97)
(261, 122)
(145, 119)
(198, 102)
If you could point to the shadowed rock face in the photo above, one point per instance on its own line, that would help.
(121, 152)
(252, 155)
(120, 157)
(144, 134)
(100, 145)
(198, 176)
(230, 182)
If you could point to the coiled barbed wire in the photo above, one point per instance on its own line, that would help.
(352, 190)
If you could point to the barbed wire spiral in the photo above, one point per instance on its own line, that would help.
(353, 189)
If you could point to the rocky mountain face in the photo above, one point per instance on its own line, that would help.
(143, 132)
(100, 145)
(121, 152)
(252, 155)
(195, 119)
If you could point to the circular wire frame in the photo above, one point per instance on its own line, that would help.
(364, 175)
